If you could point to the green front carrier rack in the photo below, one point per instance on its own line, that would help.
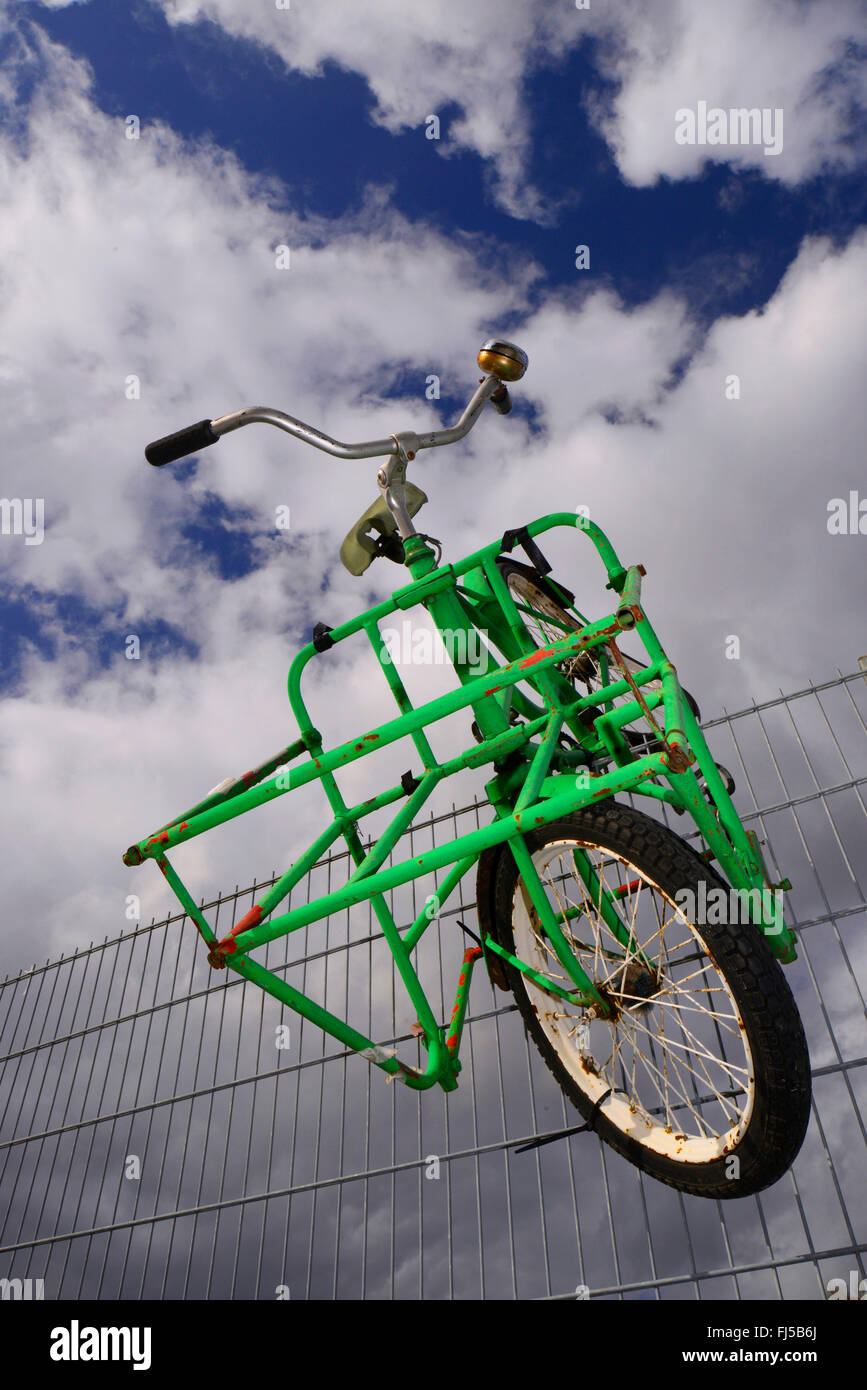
(538, 776)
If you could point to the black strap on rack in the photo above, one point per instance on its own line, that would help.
(322, 638)
(481, 945)
(471, 934)
(521, 536)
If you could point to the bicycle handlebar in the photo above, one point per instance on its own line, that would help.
(186, 441)
(509, 366)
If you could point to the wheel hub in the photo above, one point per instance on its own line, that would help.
(633, 990)
(638, 980)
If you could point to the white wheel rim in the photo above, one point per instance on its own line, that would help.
(678, 1066)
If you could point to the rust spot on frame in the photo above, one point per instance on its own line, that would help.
(535, 658)
(250, 919)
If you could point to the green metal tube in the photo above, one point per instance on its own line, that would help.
(609, 725)
(456, 1023)
(604, 901)
(673, 707)
(629, 607)
(573, 996)
(380, 737)
(540, 764)
(398, 690)
(471, 844)
(726, 837)
(373, 803)
(442, 893)
(551, 927)
(337, 1028)
(185, 900)
(624, 714)
(390, 836)
(249, 779)
(293, 875)
(571, 520)
(448, 614)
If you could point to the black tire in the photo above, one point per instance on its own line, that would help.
(753, 1006)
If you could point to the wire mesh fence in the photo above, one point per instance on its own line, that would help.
(168, 1133)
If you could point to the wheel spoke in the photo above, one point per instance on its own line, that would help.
(693, 1008)
(696, 1051)
(682, 1035)
(654, 1071)
(700, 1055)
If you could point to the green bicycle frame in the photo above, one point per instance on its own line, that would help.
(535, 780)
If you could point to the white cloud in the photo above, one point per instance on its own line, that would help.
(152, 258)
(421, 59)
(744, 53)
(155, 258)
(728, 497)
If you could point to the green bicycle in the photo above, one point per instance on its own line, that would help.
(647, 972)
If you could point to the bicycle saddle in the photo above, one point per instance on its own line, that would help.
(360, 549)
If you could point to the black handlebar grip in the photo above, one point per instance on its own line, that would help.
(175, 446)
(501, 400)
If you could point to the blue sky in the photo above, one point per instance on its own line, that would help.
(154, 259)
(723, 241)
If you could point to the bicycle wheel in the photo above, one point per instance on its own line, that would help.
(547, 620)
(701, 1076)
